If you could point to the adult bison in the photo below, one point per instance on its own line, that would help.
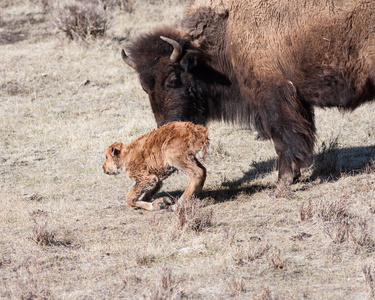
(265, 62)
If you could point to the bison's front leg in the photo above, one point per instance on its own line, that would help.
(289, 172)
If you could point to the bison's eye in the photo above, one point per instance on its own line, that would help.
(106, 157)
(173, 82)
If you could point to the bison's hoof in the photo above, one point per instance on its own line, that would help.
(283, 187)
(162, 205)
(281, 191)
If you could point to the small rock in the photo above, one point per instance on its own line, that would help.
(301, 236)
(85, 82)
(195, 248)
(32, 197)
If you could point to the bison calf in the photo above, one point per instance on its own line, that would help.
(154, 156)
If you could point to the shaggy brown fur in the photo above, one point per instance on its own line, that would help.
(154, 156)
(265, 62)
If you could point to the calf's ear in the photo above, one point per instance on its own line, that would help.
(116, 149)
(190, 60)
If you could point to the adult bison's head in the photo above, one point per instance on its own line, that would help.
(175, 75)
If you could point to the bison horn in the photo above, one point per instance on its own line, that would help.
(177, 49)
(127, 59)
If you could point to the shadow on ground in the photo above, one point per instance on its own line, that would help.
(328, 166)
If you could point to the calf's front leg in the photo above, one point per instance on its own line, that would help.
(142, 192)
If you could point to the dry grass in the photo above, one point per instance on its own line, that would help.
(41, 235)
(67, 233)
(30, 284)
(370, 283)
(126, 5)
(190, 214)
(236, 286)
(80, 20)
(165, 286)
(339, 223)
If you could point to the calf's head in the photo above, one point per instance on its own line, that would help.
(112, 159)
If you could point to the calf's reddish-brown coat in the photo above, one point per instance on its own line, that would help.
(153, 157)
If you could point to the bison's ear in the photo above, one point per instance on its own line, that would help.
(190, 60)
(116, 149)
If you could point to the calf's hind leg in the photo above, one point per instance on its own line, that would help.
(197, 175)
(142, 192)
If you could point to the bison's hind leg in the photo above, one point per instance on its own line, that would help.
(289, 122)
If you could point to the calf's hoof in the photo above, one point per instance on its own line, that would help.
(168, 201)
(162, 203)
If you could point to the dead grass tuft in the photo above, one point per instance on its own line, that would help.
(275, 258)
(262, 252)
(190, 214)
(165, 286)
(251, 253)
(235, 286)
(339, 224)
(370, 167)
(359, 235)
(41, 235)
(336, 218)
(369, 280)
(337, 230)
(80, 20)
(306, 213)
(229, 236)
(335, 215)
(370, 130)
(125, 5)
(327, 210)
(144, 259)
